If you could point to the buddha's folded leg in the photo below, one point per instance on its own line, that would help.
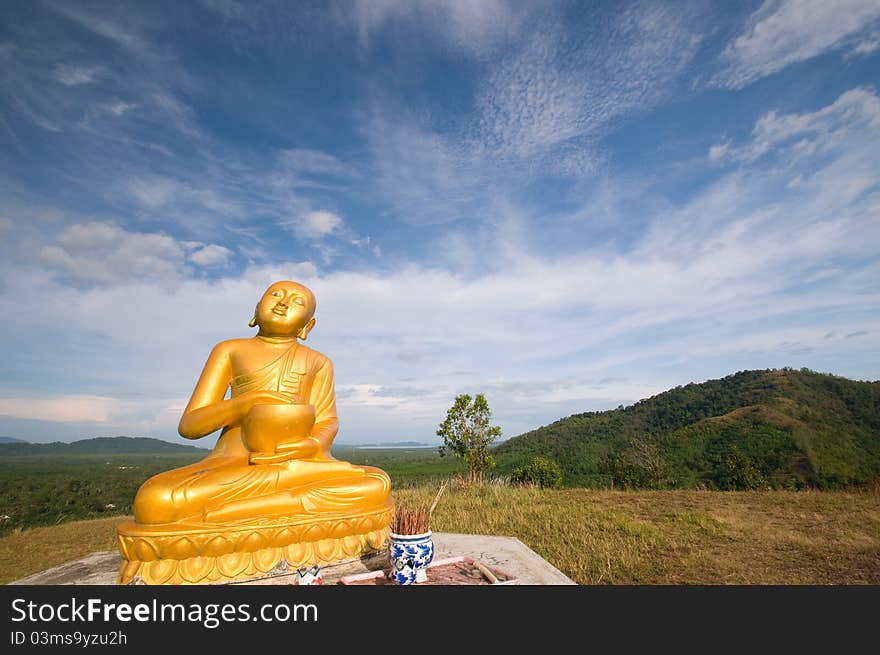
(183, 492)
(362, 488)
(346, 493)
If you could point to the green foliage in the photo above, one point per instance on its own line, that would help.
(736, 470)
(641, 465)
(540, 471)
(407, 467)
(624, 473)
(467, 434)
(782, 429)
(38, 490)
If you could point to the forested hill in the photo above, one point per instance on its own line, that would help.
(754, 429)
(100, 446)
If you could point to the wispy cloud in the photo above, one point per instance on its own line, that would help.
(58, 84)
(475, 27)
(73, 75)
(808, 134)
(425, 176)
(156, 192)
(561, 86)
(106, 27)
(867, 46)
(542, 106)
(784, 32)
(304, 167)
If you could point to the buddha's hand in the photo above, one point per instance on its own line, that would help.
(303, 449)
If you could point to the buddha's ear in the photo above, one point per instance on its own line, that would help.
(302, 334)
(253, 322)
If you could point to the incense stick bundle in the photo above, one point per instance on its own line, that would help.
(414, 519)
(410, 520)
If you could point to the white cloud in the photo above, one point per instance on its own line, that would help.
(118, 108)
(472, 26)
(531, 105)
(212, 255)
(543, 104)
(312, 166)
(717, 152)
(72, 94)
(373, 395)
(76, 416)
(177, 111)
(160, 192)
(73, 75)
(71, 408)
(867, 46)
(317, 225)
(560, 86)
(106, 27)
(104, 253)
(855, 111)
(155, 191)
(784, 32)
(425, 176)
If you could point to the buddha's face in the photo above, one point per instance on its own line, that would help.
(285, 309)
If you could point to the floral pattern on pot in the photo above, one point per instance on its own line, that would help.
(308, 576)
(410, 555)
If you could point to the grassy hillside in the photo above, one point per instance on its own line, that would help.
(604, 537)
(406, 466)
(754, 429)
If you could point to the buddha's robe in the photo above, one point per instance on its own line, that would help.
(225, 487)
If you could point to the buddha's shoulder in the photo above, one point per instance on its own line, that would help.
(231, 346)
(313, 357)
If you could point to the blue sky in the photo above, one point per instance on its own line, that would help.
(566, 206)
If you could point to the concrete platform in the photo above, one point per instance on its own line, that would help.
(506, 553)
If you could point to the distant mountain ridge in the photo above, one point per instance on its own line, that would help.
(765, 428)
(392, 444)
(99, 446)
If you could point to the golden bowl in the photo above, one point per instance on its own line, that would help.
(268, 426)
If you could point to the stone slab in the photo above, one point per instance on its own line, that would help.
(95, 569)
(506, 553)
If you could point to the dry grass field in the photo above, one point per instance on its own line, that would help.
(607, 537)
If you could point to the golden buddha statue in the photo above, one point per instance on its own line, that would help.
(269, 496)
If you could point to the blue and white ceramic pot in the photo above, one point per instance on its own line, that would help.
(410, 555)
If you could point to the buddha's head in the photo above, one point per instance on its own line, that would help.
(286, 310)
